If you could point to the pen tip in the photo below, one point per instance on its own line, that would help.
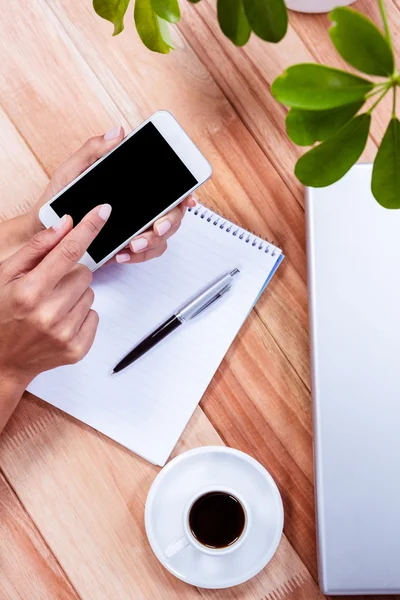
(234, 272)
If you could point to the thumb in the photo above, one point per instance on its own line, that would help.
(33, 252)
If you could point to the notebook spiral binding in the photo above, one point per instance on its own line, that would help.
(226, 225)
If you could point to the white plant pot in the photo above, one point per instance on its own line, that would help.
(316, 6)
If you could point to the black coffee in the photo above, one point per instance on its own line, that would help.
(217, 519)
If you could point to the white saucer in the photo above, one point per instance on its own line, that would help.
(172, 489)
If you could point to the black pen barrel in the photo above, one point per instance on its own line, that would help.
(158, 334)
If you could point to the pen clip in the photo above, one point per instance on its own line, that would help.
(211, 300)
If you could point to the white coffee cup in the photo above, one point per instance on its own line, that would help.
(189, 539)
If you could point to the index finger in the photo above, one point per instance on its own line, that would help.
(71, 248)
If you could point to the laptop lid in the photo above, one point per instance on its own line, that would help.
(354, 291)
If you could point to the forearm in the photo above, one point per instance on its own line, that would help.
(10, 394)
(16, 232)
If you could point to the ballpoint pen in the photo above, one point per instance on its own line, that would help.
(191, 309)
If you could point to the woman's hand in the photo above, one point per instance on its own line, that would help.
(150, 244)
(46, 318)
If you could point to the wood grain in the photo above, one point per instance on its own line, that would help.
(22, 178)
(72, 500)
(28, 567)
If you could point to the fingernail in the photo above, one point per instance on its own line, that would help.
(104, 211)
(60, 223)
(123, 257)
(113, 133)
(139, 244)
(192, 201)
(162, 227)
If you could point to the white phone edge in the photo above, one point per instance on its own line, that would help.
(182, 145)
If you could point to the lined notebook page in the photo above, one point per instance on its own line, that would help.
(147, 406)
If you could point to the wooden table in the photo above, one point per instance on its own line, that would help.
(72, 500)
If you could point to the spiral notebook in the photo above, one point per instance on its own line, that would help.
(147, 406)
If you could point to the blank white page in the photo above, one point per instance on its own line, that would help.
(147, 406)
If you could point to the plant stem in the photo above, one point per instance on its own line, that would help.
(369, 111)
(379, 87)
(385, 23)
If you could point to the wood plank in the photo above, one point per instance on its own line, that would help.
(22, 178)
(53, 99)
(87, 494)
(28, 567)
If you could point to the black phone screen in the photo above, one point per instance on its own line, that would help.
(140, 179)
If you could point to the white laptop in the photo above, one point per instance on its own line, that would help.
(354, 287)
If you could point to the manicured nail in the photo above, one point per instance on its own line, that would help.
(113, 133)
(139, 244)
(162, 227)
(104, 211)
(60, 223)
(123, 257)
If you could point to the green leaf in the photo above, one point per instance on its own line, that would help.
(151, 29)
(113, 11)
(164, 30)
(360, 43)
(305, 127)
(386, 172)
(329, 161)
(267, 18)
(167, 10)
(316, 87)
(233, 21)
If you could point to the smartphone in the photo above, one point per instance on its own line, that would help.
(153, 169)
